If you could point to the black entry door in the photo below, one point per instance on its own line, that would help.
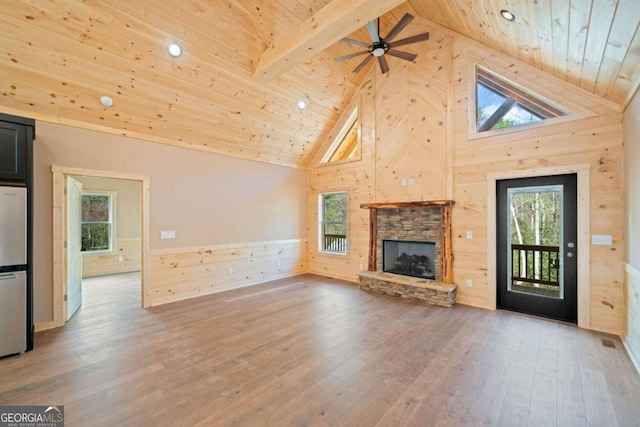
(536, 246)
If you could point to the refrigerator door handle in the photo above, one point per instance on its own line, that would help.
(8, 276)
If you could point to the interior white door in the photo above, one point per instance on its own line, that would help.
(74, 245)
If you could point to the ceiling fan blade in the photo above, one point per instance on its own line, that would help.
(409, 40)
(363, 63)
(373, 32)
(403, 22)
(403, 55)
(351, 55)
(384, 67)
(353, 41)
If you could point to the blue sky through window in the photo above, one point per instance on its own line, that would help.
(488, 101)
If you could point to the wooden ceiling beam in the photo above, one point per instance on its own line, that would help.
(331, 23)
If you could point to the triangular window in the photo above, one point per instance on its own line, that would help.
(346, 145)
(501, 104)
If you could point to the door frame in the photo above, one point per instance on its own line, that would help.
(59, 251)
(583, 223)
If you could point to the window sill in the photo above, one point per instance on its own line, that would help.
(340, 254)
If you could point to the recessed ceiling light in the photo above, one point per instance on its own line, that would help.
(302, 104)
(174, 49)
(106, 101)
(507, 15)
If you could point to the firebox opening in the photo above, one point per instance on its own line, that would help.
(416, 259)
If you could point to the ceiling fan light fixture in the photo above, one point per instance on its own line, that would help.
(507, 15)
(382, 46)
(378, 51)
(174, 50)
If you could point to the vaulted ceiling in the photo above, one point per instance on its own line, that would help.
(247, 62)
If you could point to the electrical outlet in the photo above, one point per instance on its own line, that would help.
(469, 235)
(469, 283)
(279, 263)
(361, 267)
(120, 258)
(404, 182)
(411, 182)
(230, 271)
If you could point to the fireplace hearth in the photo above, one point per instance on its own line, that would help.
(415, 259)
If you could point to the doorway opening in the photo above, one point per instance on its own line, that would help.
(103, 233)
(108, 245)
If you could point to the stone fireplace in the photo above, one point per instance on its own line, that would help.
(410, 251)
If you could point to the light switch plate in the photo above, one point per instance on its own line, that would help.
(469, 234)
(602, 239)
(404, 181)
(168, 234)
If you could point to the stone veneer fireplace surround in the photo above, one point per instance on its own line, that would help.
(418, 222)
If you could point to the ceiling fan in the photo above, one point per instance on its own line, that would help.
(380, 47)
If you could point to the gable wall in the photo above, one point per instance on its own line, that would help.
(445, 163)
(403, 136)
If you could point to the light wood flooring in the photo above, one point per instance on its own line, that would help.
(312, 351)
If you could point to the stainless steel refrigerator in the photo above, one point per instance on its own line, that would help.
(13, 270)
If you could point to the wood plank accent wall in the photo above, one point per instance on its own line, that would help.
(430, 104)
(632, 334)
(187, 273)
(592, 137)
(404, 135)
(129, 248)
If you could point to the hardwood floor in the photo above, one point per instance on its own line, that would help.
(313, 351)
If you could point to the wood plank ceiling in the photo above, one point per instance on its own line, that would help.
(59, 57)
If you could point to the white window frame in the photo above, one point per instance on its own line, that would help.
(112, 206)
(353, 120)
(321, 224)
(574, 112)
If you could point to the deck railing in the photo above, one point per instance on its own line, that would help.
(335, 243)
(535, 264)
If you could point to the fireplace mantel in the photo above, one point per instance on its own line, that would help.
(407, 205)
(445, 224)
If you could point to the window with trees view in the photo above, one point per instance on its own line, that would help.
(501, 104)
(535, 238)
(97, 222)
(333, 222)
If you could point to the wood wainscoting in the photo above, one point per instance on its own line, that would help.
(180, 274)
(100, 264)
